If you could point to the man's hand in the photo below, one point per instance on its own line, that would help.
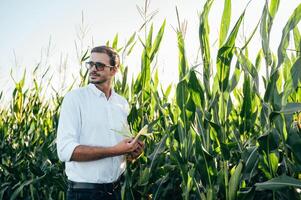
(137, 152)
(126, 146)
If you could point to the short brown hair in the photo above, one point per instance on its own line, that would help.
(114, 57)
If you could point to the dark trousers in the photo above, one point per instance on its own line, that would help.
(101, 193)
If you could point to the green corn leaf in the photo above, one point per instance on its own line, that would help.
(131, 49)
(273, 8)
(246, 110)
(267, 18)
(235, 181)
(189, 183)
(4, 187)
(264, 32)
(115, 42)
(196, 89)
(269, 141)
(224, 56)
(204, 31)
(131, 40)
(289, 108)
(294, 143)
(167, 91)
(144, 177)
(250, 157)
(161, 181)
(183, 68)
(222, 104)
(85, 56)
(20, 85)
(297, 40)
(250, 37)
(271, 88)
(124, 80)
(258, 60)
(290, 25)
(225, 22)
(159, 149)
(225, 151)
(157, 41)
(278, 183)
(149, 40)
(296, 73)
(181, 94)
(141, 41)
(246, 193)
(274, 159)
(19, 189)
(145, 71)
(156, 79)
(235, 77)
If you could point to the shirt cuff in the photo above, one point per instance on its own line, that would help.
(67, 151)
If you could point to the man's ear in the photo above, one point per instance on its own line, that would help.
(114, 70)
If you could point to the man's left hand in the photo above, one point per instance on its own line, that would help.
(137, 152)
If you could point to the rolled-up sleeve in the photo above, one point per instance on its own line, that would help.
(68, 128)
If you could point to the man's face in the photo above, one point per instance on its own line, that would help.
(101, 75)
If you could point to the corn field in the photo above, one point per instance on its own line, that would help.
(215, 135)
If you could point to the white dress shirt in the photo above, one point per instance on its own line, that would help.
(88, 118)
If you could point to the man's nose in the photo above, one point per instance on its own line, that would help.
(93, 68)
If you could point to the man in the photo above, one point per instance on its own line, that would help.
(87, 140)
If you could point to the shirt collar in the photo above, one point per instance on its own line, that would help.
(98, 92)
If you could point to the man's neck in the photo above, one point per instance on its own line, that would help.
(105, 88)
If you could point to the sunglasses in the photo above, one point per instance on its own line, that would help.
(98, 65)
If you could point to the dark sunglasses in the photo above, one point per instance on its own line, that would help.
(98, 65)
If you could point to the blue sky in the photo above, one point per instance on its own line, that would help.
(27, 26)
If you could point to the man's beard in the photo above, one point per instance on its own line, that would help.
(96, 82)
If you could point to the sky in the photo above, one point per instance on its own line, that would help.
(45, 32)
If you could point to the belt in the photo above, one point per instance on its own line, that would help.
(94, 186)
